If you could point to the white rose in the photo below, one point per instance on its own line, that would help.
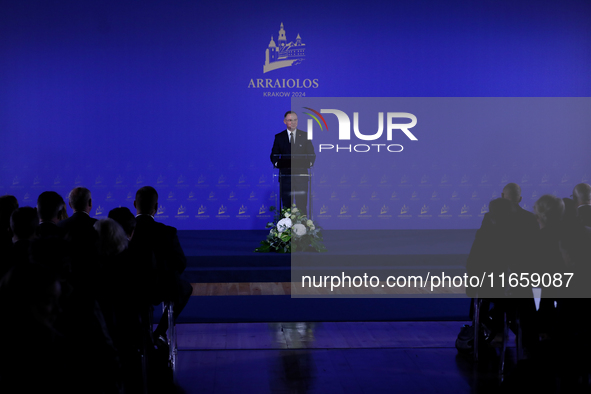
(286, 215)
(293, 217)
(310, 223)
(299, 229)
(312, 227)
(283, 224)
(294, 210)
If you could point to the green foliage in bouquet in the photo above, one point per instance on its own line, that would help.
(290, 232)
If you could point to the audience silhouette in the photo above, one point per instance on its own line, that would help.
(79, 292)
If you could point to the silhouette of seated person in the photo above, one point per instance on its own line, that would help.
(120, 297)
(575, 247)
(151, 238)
(23, 223)
(8, 204)
(35, 357)
(40, 356)
(49, 207)
(582, 200)
(49, 246)
(503, 242)
(546, 260)
(141, 281)
(78, 228)
(81, 320)
(571, 330)
(126, 220)
(503, 245)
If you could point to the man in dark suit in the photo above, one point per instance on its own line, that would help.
(8, 204)
(80, 200)
(295, 142)
(49, 205)
(582, 198)
(80, 233)
(507, 230)
(51, 249)
(23, 222)
(504, 243)
(151, 238)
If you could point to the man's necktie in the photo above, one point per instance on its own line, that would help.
(291, 138)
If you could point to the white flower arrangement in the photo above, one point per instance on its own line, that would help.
(298, 230)
(284, 224)
(290, 232)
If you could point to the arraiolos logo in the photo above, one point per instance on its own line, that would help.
(283, 54)
(345, 129)
(280, 55)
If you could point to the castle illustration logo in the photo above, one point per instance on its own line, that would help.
(283, 54)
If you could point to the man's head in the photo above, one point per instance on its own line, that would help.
(512, 192)
(582, 194)
(23, 223)
(291, 120)
(549, 210)
(146, 201)
(125, 218)
(80, 200)
(49, 204)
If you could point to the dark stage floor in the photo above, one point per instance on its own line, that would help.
(387, 357)
(247, 342)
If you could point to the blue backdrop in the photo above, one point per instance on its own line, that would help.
(114, 95)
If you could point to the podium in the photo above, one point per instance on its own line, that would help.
(295, 170)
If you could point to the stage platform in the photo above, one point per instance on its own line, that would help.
(218, 258)
(228, 256)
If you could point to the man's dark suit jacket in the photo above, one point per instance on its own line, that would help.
(584, 214)
(502, 246)
(162, 240)
(49, 230)
(79, 221)
(157, 247)
(281, 146)
(79, 231)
